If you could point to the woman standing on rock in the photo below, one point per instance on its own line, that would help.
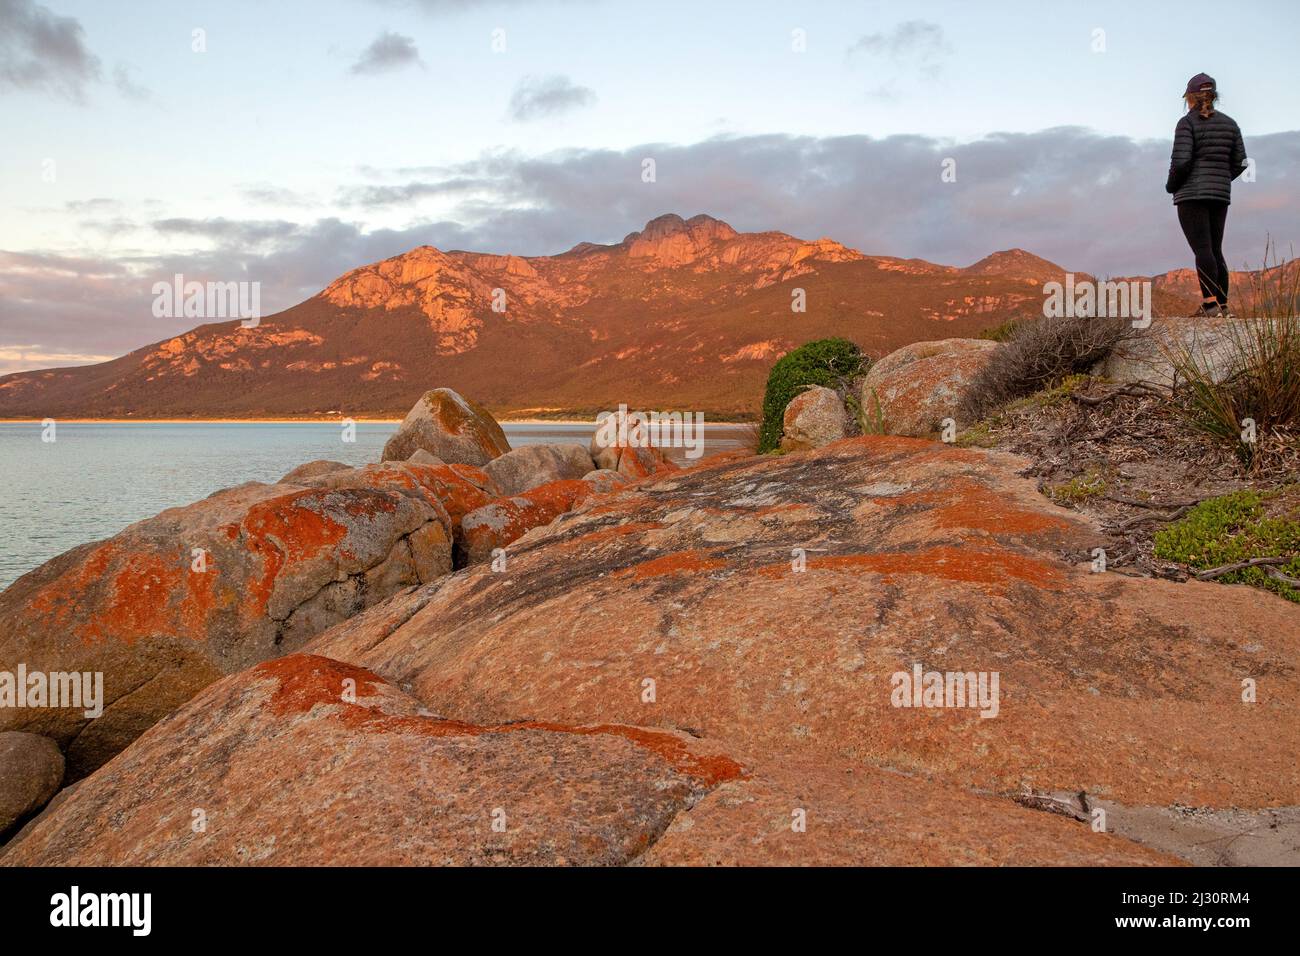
(1208, 156)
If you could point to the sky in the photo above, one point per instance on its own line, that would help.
(287, 142)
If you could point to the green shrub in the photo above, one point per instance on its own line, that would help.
(1231, 528)
(828, 362)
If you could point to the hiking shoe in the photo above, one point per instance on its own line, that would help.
(1208, 311)
(1226, 312)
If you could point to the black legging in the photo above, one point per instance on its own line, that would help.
(1202, 223)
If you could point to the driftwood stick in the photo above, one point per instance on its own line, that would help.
(1130, 390)
(1141, 519)
(1140, 503)
(1240, 565)
(1277, 575)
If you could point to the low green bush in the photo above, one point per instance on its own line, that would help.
(828, 362)
(1232, 528)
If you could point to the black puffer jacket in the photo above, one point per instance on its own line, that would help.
(1208, 156)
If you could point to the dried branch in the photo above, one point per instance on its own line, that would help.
(1277, 575)
(1141, 503)
(1240, 565)
(1130, 390)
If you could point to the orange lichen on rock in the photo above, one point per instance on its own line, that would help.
(152, 595)
(57, 600)
(965, 565)
(306, 681)
(968, 504)
(144, 594)
(293, 528)
(679, 562)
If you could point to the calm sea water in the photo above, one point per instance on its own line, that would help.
(97, 478)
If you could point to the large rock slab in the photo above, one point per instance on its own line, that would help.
(815, 417)
(449, 427)
(31, 770)
(798, 812)
(171, 603)
(305, 761)
(308, 761)
(1149, 356)
(527, 467)
(772, 602)
(916, 387)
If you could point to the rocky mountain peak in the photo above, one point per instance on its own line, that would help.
(672, 240)
(1017, 264)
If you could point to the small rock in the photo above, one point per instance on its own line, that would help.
(525, 468)
(1145, 354)
(449, 427)
(422, 457)
(312, 469)
(815, 417)
(632, 461)
(604, 481)
(31, 770)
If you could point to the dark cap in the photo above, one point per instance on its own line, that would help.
(1201, 81)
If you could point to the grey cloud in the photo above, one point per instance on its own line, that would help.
(42, 51)
(90, 207)
(1090, 202)
(235, 231)
(377, 196)
(540, 97)
(122, 79)
(921, 41)
(269, 195)
(449, 7)
(387, 52)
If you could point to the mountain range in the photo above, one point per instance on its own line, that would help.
(683, 314)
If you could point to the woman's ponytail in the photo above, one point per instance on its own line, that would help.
(1203, 102)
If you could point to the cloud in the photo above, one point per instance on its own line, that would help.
(910, 38)
(451, 7)
(919, 41)
(42, 51)
(126, 85)
(238, 232)
(387, 52)
(267, 194)
(22, 358)
(405, 194)
(539, 97)
(1090, 202)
